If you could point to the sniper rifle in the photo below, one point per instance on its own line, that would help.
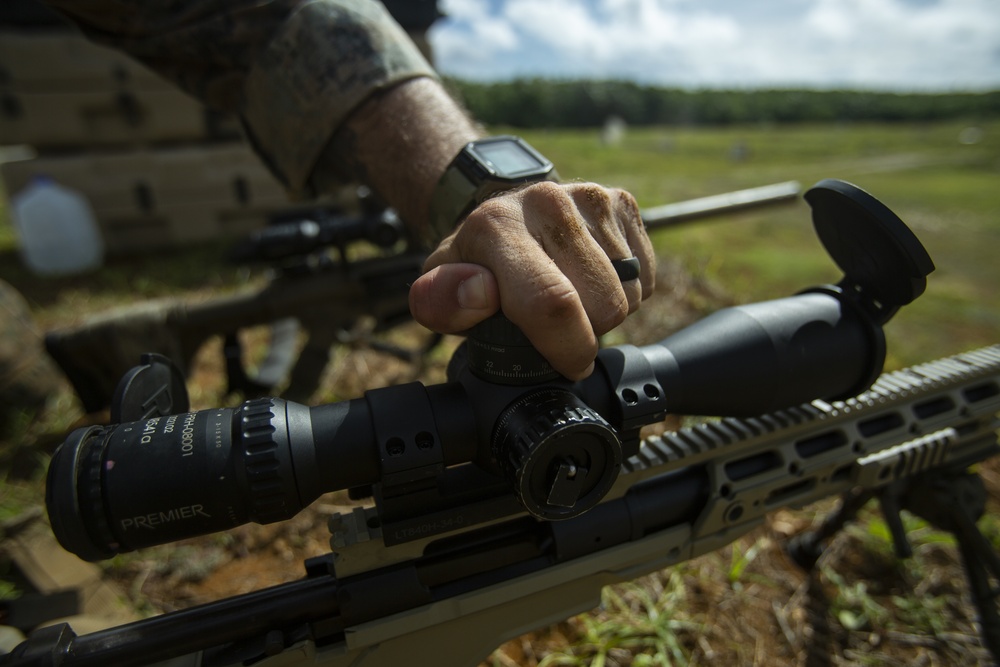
(501, 503)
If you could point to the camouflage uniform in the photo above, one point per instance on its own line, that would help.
(292, 70)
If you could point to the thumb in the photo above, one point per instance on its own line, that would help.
(451, 298)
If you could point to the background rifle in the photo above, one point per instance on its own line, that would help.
(310, 290)
(325, 297)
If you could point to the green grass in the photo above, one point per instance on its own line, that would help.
(639, 621)
(945, 191)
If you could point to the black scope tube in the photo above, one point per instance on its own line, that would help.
(139, 484)
(168, 478)
(753, 359)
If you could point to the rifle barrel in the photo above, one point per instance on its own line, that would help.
(209, 625)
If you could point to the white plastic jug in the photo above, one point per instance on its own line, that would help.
(57, 230)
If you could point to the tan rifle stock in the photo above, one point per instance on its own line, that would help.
(936, 416)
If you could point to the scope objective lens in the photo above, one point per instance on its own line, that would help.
(169, 478)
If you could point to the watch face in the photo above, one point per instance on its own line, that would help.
(510, 158)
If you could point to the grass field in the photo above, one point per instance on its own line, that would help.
(705, 611)
(946, 191)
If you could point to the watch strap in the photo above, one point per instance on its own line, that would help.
(456, 195)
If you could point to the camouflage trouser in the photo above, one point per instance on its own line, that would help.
(27, 375)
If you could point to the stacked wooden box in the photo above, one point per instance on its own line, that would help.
(158, 168)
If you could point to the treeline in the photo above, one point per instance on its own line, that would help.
(544, 103)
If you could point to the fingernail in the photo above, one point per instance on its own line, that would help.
(472, 293)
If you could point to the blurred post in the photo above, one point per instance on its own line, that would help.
(670, 215)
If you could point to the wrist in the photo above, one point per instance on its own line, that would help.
(480, 170)
(400, 142)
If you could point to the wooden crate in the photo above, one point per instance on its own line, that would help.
(58, 90)
(157, 198)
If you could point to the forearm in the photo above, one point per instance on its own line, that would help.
(399, 142)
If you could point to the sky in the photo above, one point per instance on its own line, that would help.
(903, 45)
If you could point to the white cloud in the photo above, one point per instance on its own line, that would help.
(472, 39)
(564, 26)
(881, 42)
(872, 43)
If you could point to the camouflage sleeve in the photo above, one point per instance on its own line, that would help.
(293, 70)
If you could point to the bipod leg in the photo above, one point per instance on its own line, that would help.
(313, 360)
(984, 594)
(806, 548)
(273, 369)
(953, 504)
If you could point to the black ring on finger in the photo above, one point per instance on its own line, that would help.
(627, 269)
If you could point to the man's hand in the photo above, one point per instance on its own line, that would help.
(543, 254)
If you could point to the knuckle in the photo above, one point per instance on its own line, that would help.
(545, 189)
(626, 203)
(598, 198)
(549, 200)
(610, 317)
(627, 209)
(491, 214)
(556, 301)
(483, 227)
(594, 202)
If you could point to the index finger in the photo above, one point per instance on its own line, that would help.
(534, 293)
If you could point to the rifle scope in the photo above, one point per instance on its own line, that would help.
(559, 445)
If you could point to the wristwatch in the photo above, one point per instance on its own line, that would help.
(483, 168)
